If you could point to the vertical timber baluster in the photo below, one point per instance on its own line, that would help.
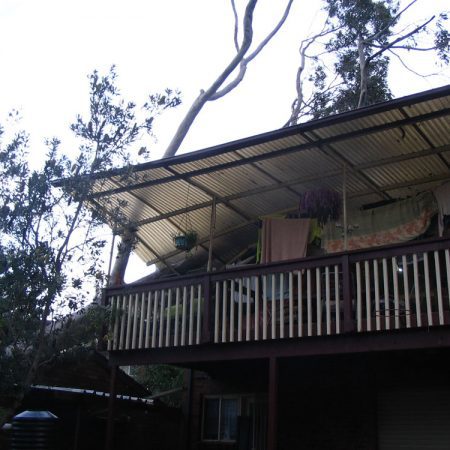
(256, 308)
(232, 310)
(149, 319)
(396, 294)
(191, 315)
(427, 288)
(291, 304)
(264, 307)
(168, 317)
(216, 314)
(308, 296)
(338, 299)
(161, 318)
(417, 290)
(177, 317)
(240, 310)
(368, 299)
(129, 321)
(183, 316)
(247, 311)
(318, 302)
(377, 295)
(281, 305)
(358, 298)
(437, 267)
(406, 291)
(300, 303)
(224, 311)
(142, 322)
(135, 322)
(273, 318)
(199, 313)
(155, 318)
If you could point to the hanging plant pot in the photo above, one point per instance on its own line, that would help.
(185, 241)
(321, 204)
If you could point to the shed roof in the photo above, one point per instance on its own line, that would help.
(391, 150)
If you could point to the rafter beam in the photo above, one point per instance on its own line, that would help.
(298, 180)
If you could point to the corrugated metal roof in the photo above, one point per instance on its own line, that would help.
(391, 150)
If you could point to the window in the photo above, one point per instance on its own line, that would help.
(220, 418)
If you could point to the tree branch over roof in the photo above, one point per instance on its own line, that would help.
(239, 60)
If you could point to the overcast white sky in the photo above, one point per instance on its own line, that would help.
(47, 48)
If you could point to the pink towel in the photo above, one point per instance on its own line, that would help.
(284, 239)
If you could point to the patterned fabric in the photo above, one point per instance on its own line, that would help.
(442, 194)
(397, 222)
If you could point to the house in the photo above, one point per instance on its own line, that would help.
(345, 346)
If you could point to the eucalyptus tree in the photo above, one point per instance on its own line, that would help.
(352, 53)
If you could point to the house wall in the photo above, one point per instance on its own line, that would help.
(324, 402)
(327, 404)
(224, 379)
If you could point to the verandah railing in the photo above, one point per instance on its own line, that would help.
(402, 286)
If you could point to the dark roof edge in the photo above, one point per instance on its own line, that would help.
(283, 132)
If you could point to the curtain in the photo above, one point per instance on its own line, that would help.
(284, 239)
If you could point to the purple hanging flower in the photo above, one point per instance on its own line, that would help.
(321, 204)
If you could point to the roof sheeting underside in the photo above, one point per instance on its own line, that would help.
(391, 150)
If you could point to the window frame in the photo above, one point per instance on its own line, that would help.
(220, 398)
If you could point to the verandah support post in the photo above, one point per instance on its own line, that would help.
(344, 206)
(109, 442)
(273, 404)
(207, 322)
(212, 229)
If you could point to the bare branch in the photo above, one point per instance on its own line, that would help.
(409, 68)
(236, 25)
(391, 22)
(406, 47)
(245, 61)
(298, 104)
(399, 39)
(233, 84)
(239, 60)
(363, 73)
(277, 27)
(204, 96)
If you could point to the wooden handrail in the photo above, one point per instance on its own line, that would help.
(344, 263)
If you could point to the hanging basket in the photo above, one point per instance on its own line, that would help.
(185, 241)
(321, 204)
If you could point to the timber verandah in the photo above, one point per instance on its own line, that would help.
(382, 298)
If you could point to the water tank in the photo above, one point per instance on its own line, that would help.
(34, 430)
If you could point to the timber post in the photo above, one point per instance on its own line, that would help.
(109, 443)
(273, 404)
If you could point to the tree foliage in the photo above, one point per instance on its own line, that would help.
(161, 378)
(50, 242)
(350, 66)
